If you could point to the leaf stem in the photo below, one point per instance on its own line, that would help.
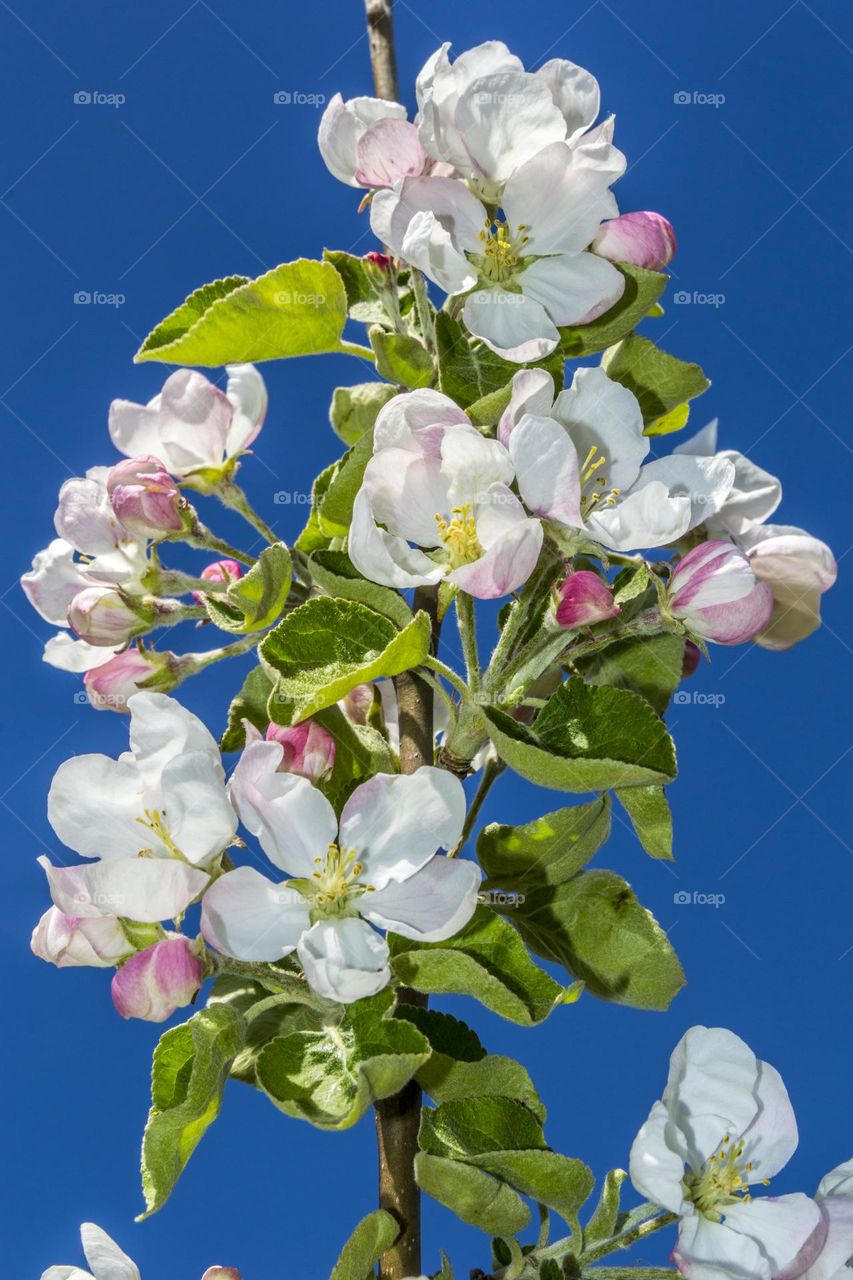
(627, 1238)
(441, 668)
(492, 770)
(467, 624)
(232, 496)
(356, 349)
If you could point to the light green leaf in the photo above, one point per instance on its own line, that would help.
(642, 290)
(295, 1008)
(548, 850)
(587, 739)
(467, 1127)
(602, 1224)
(596, 928)
(326, 647)
(470, 372)
(354, 410)
(474, 1196)
(675, 420)
(312, 538)
(373, 1235)
(191, 1065)
(337, 575)
(649, 665)
(560, 1183)
(297, 309)
(660, 382)
(249, 704)
(335, 509)
(257, 599)
(488, 961)
(648, 809)
(331, 1077)
(401, 358)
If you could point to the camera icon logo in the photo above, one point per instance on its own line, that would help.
(682, 297)
(682, 98)
(82, 98)
(282, 98)
(682, 698)
(82, 298)
(682, 898)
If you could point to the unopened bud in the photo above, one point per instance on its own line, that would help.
(145, 498)
(221, 571)
(71, 941)
(715, 593)
(642, 239)
(155, 982)
(309, 749)
(110, 686)
(583, 599)
(103, 616)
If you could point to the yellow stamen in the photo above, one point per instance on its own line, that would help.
(459, 536)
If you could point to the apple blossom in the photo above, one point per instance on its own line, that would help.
(195, 429)
(309, 749)
(221, 572)
(155, 982)
(368, 142)
(798, 568)
(157, 819)
(435, 481)
(378, 867)
(145, 498)
(835, 1198)
(109, 686)
(715, 593)
(102, 1254)
(582, 599)
(725, 1123)
(579, 461)
(645, 239)
(755, 494)
(105, 616)
(70, 941)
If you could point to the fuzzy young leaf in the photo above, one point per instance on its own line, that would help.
(373, 1235)
(648, 809)
(660, 382)
(249, 704)
(326, 647)
(257, 599)
(445, 1080)
(642, 290)
(486, 960)
(560, 1183)
(297, 309)
(354, 410)
(190, 1068)
(602, 1224)
(467, 1127)
(474, 1196)
(648, 665)
(401, 359)
(338, 576)
(548, 850)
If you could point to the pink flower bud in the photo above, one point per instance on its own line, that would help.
(144, 497)
(643, 239)
(221, 1273)
(358, 704)
(379, 260)
(102, 616)
(71, 941)
(221, 571)
(110, 686)
(715, 593)
(157, 981)
(584, 599)
(691, 660)
(309, 749)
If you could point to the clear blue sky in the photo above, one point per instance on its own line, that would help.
(199, 174)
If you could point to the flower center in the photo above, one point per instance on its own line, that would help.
(155, 822)
(502, 251)
(593, 482)
(335, 882)
(459, 536)
(723, 1180)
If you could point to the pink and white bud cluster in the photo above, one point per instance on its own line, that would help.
(155, 982)
(584, 599)
(145, 498)
(642, 239)
(221, 572)
(97, 942)
(717, 596)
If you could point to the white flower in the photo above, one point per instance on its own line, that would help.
(368, 142)
(579, 462)
(799, 568)
(191, 426)
(526, 270)
(835, 1197)
(379, 867)
(435, 481)
(725, 1124)
(157, 818)
(753, 497)
(102, 1254)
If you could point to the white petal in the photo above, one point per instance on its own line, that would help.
(144, 889)
(387, 152)
(713, 1251)
(648, 517)
(343, 125)
(293, 821)
(381, 557)
(160, 729)
(532, 392)
(703, 443)
(512, 544)
(84, 517)
(705, 482)
(433, 904)
(506, 118)
(559, 202)
(754, 496)
(104, 1256)
(440, 85)
(512, 324)
(196, 809)
(594, 150)
(657, 1169)
(459, 212)
(407, 491)
(417, 421)
(186, 426)
(772, 1138)
(247, 392)
(54, 581)
(344, 960)
(245, 915)
(781, 1227)
(429, 246)
(66, 1273)
(831, 1263)
(711, 1091)
(575, 92)
(471, 463)
(67, 654)
(396, 822)
(546, 464)
(573, 290)
(93, 806)
(601, 414)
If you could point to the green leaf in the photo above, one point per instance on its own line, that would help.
(474, 1196)
(249, 704)
(445, 1080)
(297, 309)
(587, 739)
(648, 809)
(191, 1065)
(335, 509)
(331, 1077)
(401, 358)
(296, 1008)
(675, 420)
(469, 373)
(560, 1183)
(488, 961)
(449, 1037)
(469, 1127)
(338, 576)
(354, 410)
(642, 290)
(602, 1224)
(373, 1235)
(312, 538)
(326, 647)
(360, 752)
(596, 928)
(649, 665)
(548, 850)
(660, 381)
(363, 301)
(257, 599)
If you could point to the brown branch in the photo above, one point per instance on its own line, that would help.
(380, 31)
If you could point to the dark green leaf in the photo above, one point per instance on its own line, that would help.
(468, 373)
(660, 382)
(249, 704)
(337, 575)
(546, 851)
(648, 809)
(468, 1127)
(649, 665)
(335, 509)
(556, 1181)
(373, 1235)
